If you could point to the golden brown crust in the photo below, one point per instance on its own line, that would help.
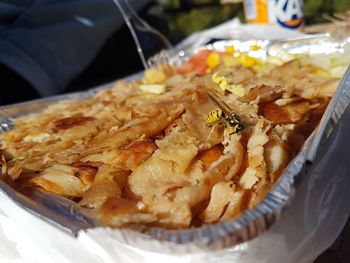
(131, 158)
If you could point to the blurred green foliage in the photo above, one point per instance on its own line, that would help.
(315, 9)
(198, 19)
(184, 17)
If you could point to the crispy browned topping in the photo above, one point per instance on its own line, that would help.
(69, 122)
(153, 160)
(274, 113)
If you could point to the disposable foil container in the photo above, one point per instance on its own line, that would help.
(63, 214)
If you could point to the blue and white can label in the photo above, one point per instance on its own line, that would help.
(289, 13)
(286, 13)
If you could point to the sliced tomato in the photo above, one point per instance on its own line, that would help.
(197, 63)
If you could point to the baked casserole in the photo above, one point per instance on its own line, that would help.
(182, 147)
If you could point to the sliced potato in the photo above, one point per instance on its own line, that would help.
(60, 179)
(221, 195)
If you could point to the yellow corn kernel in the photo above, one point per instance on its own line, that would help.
(246, 60)
(154, 76)
(230, 50)
(255, 47)
(213, 60)
(153, 88)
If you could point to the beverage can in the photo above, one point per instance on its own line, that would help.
(286, 13)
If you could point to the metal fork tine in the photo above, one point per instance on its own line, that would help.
(126, 14)
(147, 27)
(135, 22)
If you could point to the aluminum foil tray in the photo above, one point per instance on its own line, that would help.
(63, 214)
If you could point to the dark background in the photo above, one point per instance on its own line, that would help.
(176, 19)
